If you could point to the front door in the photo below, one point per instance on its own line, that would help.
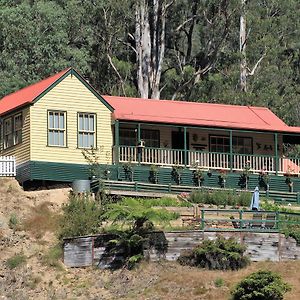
(178, 143)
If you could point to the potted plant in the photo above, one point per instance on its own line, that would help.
(263, 179)
(176, 174)
(153, 174)
(288, 179)
(244, 178)
(198, 176)
(127, 167)
(222, 178)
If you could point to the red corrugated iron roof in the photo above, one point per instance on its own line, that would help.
(28, 94)
(197, 114)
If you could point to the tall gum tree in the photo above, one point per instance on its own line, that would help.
(150, 32)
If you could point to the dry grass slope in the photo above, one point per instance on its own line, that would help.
(39, 275)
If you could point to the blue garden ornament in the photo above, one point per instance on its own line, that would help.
(255, 200)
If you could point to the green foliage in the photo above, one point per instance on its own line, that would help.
(164, 201)
(220, 254)
(53, 256)
(13, 221)
(81, 216)
(130, 209)
(219, 282)
(261, 285)
(201, 58)
(221, 198)
(16, 261)
(176, 174)
(134, 260)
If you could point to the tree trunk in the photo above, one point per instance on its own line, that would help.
(150, 45)
(143, 47)
(243, 64)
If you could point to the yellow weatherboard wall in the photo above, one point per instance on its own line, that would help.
(72, 96)
(20, 151)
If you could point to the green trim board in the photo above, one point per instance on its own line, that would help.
(82, 80)
(67, 172)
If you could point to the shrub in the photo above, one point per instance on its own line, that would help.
(16, 261)
(220, 254)
(219, 282)
(13, 221)
(261, 285)
(221, 198)
(53, 256)
(81, 216)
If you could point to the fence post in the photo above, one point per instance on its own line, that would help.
(241, 219)
(277, 220)
(298, 197)
(202, 219)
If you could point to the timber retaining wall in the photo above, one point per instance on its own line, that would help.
(91, 250)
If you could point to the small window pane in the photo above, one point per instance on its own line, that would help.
(55, 125)
(80, 122)
(51, 120)
(91, 127)
(61, 121)
(51, 138)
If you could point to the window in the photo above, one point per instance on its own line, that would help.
(8, 133)
(128, 137)
(219, 144)
(86, 130)
(241, 145)
(57, 128)
(151, 138)
(12, 131)
(17, 129)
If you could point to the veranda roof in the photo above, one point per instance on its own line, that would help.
(197, 114)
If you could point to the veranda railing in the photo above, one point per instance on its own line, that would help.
(7, 166)
(208, 160)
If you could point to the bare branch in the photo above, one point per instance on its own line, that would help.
(256, 65)
(117, 72)
(185, 22)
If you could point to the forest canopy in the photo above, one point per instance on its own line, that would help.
(218, 51)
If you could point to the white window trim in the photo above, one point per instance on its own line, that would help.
(94, 132)
(64, 130)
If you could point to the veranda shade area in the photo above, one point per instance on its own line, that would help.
(189, 146)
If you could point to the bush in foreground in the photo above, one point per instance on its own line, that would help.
(81, 216)
(220, 254)
(261, 285)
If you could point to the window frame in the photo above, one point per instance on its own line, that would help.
(57, 129)
(87, 131)
(134, 136)
(233, 146)
(15, 130)
(156, 132)
(5, 134)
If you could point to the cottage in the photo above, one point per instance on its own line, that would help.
(47, 125)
